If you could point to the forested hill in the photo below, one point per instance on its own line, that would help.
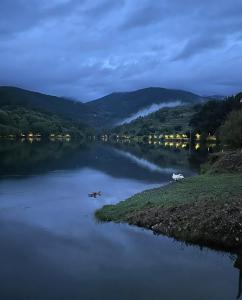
(105, 112)
(44, 103)
(116, 107)
(19, 121)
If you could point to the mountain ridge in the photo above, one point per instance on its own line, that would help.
(132, 102)
(102, 112)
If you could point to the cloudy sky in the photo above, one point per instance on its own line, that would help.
(88, 48)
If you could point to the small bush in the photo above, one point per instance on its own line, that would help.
(231, 130)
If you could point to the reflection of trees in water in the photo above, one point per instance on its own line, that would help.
(171, 155)
(36, 158)
(157, 154)
(24, 158)
(200, 155)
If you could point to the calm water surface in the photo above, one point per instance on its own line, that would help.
(53, 248)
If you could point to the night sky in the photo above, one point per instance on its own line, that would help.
(86, 49)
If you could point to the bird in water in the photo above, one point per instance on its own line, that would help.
(94, 194)
(177, 177)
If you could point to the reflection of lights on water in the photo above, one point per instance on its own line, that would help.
(177, 141)
(177, 145)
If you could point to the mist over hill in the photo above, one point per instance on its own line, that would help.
(117, 107)
(149, 110)
(167, 120)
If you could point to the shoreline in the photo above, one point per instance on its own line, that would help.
(205, 210)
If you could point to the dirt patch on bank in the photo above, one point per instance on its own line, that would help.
(205, 222)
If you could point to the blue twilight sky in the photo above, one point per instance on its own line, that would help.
(88, 48)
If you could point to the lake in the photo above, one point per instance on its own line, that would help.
(53, 248)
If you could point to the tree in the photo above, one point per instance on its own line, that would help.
(4, 117)
(214, 113)
(231, 130)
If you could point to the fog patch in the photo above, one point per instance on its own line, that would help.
(149, 110)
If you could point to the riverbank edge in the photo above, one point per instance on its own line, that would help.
(204, 209)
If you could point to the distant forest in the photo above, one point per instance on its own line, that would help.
(17, 121)
(220, 118)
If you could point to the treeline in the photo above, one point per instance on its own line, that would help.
(18, 121)
(222, 119)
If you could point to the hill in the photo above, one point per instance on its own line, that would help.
(104, 112)
(44, 103)
(114, 108)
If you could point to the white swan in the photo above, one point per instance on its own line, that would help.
(177, 177)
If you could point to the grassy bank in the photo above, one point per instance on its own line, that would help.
(206, 209)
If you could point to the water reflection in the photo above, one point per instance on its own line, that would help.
(18, 158)
(147, 162)
(170, 153)
(52, 247)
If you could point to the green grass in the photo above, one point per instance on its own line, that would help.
(204, 187)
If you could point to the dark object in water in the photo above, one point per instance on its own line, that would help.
(238, 265)
(94, 194)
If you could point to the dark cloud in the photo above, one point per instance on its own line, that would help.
(144, 15)
(85, 49)
(104, 7)
(199, 44)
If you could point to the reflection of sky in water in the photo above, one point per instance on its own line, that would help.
(60, 199)
(53, 248)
